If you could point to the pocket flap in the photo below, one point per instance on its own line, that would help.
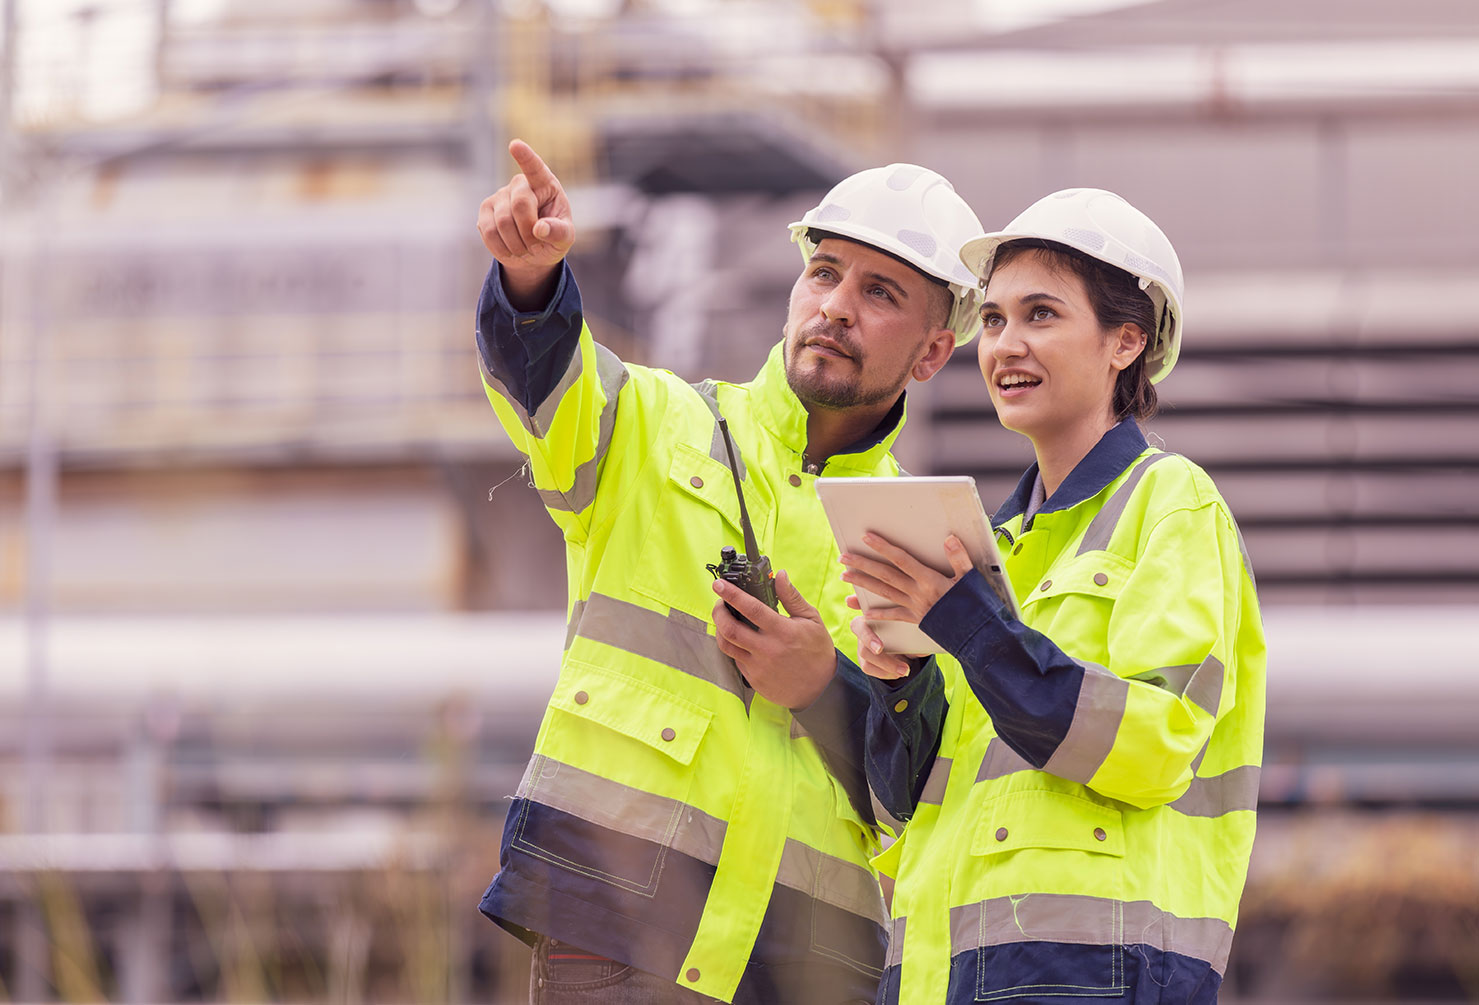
(1097, 574)
(665, 722)
(699, 476)
(1041, 818)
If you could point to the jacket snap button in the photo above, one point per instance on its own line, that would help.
(1017, 550)
(1100, 579)
(795, 480)
(1046, 583)
(692, 974)
(901, 704)
(1001, 833)
(581, 697)
(668, 734)
(1099, 834)
(696, 482)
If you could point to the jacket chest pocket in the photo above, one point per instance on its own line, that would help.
(697, 513)
(1072, 602)
(1057, 927)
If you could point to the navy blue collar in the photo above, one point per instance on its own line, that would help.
(886, 425)
(1115, 451)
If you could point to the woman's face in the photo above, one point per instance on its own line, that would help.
(1049, 367)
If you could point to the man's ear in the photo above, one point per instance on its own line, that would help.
(936, 354)
(1129, 343)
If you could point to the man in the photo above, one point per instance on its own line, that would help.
(694, 824)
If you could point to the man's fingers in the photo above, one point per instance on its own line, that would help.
(541, 178)
(556, 231)
(524, 207)
(741, 601)
(733, 632)
(732, 650)
(508, 228)
(791, 599)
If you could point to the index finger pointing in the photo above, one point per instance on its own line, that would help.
(532, 165)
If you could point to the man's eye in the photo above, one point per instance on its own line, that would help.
(823, 272)
(881, 291)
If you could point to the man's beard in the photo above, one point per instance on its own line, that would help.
(817, 389)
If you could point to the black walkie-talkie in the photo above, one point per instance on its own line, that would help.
(750, 571)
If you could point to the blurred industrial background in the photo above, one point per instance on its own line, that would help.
(278, 614)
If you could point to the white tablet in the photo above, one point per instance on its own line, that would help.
(917, 514)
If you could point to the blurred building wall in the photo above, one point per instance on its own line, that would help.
(300, 608)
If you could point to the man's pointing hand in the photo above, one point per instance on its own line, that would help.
(527, 226)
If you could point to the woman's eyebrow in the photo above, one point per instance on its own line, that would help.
(1026, 299)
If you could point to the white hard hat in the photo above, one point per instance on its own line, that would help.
(1104, 226)
(911, 213)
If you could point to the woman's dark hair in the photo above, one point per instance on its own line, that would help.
(1117, 299)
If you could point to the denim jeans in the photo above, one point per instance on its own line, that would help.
(560, 974)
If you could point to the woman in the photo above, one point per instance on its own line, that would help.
(1079, 784)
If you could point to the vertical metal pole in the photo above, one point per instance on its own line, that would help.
(7, 101)
(41, 497)
(485, 140)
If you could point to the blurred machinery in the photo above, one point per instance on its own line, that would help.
(277, 612)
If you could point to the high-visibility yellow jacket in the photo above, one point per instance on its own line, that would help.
(670, 818)
(1084, 829)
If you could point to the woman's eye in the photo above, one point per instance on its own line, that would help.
(1042, 313)
(991, 320)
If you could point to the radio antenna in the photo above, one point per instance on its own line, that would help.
(752, 549)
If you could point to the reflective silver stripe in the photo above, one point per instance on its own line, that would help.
(1198, 682)
(577, 611)
(538, 423)
(1247, 562)
(831, 880)
(1218, 794)
(1000, 761)
(895, 957)
(623, 809)
(707, 390)
(1096, 722)
(1090, 921)
(1205, 686)
(612, 373)
(677, 639)
(882, 815)
(1096, 538)
(691, 831)
(501, 389)
(934, 785)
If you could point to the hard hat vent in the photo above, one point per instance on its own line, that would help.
(922, 243)
(831, 213)
(1136, 263)
(1089, 240)
(904, 176)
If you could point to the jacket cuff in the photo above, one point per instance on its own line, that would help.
(962, 612)
(836, 716)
